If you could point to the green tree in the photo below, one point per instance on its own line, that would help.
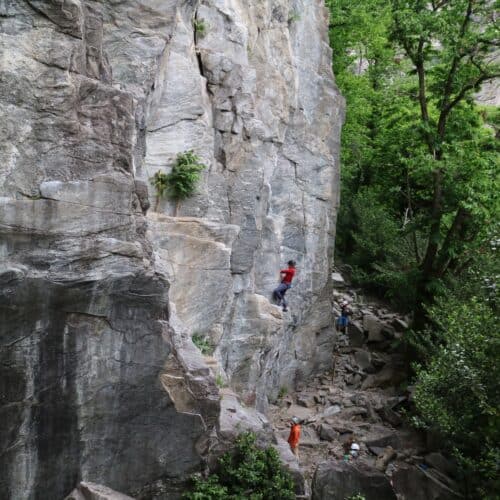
(415, 144)
(247, 472)
(181, 182)
(457, 392)
(450, 46)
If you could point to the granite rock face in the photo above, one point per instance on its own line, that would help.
(98, 379)
(262, 110)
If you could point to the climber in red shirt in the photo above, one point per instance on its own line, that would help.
(293, 438)
(286, 283)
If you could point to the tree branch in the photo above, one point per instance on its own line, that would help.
(456, 227)
(448, 87)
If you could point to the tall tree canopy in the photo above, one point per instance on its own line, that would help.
(419, 159)
(418, 221)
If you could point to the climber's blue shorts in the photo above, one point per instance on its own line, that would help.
(342, 321)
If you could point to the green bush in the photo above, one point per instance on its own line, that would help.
(456, 393)
(200, 27)
(245, 473)
(282, 392)
(203, 344)
(160, 183)
(381, 255)
(219, 381)
(181, 182)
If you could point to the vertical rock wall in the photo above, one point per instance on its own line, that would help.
(97, 378)
(253, 94)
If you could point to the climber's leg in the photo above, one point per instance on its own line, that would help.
(279, 293)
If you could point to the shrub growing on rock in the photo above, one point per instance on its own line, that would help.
(181, 182)
(246, 472)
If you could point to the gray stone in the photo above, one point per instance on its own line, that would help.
(354, 411)
(356, 335)
(390, 375)
(91, 491)
(384, 458)
(399, 325)
(337, 480)
(417, 484)
(373, 326)
(338, 280)
(327, 433)
(441, 463)
(332, 410)
(363, 359)
(307, 400)
(390, 416)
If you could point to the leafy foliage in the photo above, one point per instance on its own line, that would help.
(247, 472)
(419, 156)
(418, 222)
(203, 344)
(200, 27)
(219, 381)
(357, 496)
(160, 183)
(282, 392)
(181, 182)
(457, 392)
(185, 174)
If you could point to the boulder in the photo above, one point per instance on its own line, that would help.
(337, 280)
(373, 326)
(389, 376)
(92, 491)
(332, 410)
(384, 458)
(399, 325)
(327, 433)
(441, 463)
(363, 360)
(336, 480)
(416, 484)
(391, 439)
(389, 332)
(306, 400)
(354, 411)
(356, 334)
(390, 416)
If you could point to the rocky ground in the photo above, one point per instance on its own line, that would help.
(364, 398)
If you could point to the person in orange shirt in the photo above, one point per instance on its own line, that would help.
(293, 438)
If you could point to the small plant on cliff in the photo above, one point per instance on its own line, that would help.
(294, 17)
(203, 344)
(219, 381)
(356, 496)
(245, 472)
(181, 182)
(160, 183)
(200, 27)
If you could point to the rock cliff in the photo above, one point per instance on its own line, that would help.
(100, 294)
